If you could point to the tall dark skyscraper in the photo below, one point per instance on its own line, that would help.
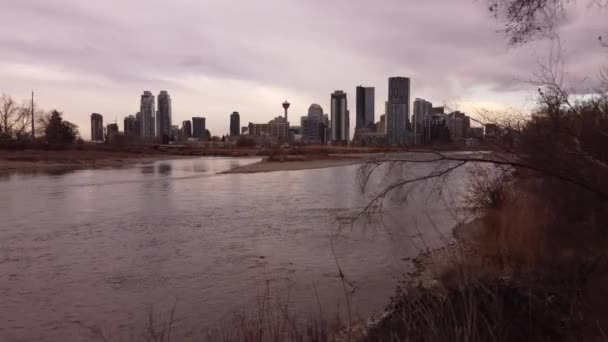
(147, 112)
(398, 110)
(340, 130)
(187, 129)
(198, 128)
(423, 109)
(163, 117)
(235, 124)
(365, 107)
(96, 127)
(131, 126)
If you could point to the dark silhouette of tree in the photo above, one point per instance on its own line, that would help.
(526, 20)
(244, 141)
(11, 116)
(60, 133)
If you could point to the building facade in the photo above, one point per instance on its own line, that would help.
(340, 131)
(274, 132)
(163, 117)
(458, 124)
(423, 110)
(96, 127)
(398, 110)
(147, 112)
(131, 126)
(198, 128)
(381, 125)
(235, 123)
(365, 111)
(187, 129)
(313, 125)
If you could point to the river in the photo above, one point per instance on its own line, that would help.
(101, 249)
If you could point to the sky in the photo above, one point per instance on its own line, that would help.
(219, 56)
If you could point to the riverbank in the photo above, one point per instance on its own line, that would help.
(29, 161)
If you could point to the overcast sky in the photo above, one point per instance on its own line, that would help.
(219, 56)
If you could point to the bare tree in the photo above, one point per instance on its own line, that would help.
(526, 20)
(9, 113)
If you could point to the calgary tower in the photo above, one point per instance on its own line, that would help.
(286, 107)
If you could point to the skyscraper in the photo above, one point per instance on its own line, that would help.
(398, 110)
(131, 126)
(365, 107)
(163, 117)
(187, 129)
(147, 110)
(339, 118)
(198, 128)
(423, 109)
(315, 111)
(312, 125)
(235, 124)
(96, 127)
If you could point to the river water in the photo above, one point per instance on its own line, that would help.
(99, 250)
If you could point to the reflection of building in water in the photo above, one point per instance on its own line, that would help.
(147, 169)
(164, 169)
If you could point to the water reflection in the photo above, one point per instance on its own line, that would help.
(6, 175)
(164, 169)
(147, 169)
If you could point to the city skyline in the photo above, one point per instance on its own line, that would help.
(110, 58)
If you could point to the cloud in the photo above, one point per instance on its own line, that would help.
(216, 56)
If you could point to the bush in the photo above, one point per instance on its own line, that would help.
(244, 141)
(490, 310)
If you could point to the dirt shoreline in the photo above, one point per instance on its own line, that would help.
(273, 166)
(305, 162)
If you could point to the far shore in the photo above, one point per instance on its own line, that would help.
(33, 161)
(310, 157)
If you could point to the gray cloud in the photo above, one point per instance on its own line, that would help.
(306, 48)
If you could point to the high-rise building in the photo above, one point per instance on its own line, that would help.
(147, 110)
(423, 110)
(198, 128)
(163, 117)
(381, 125)
(96, 127)
(315, 111)
(187, 129)
(235, 123)
(312, 125)
(458, 124)
(438, 110)
(131, 126)
(365, 107)
(111, 132)
(340, 130)
(176, 133)
(398, 110)
(112, 129)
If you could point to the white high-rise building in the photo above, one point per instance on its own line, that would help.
(340, 130)
(398, 110)
(147, 110)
